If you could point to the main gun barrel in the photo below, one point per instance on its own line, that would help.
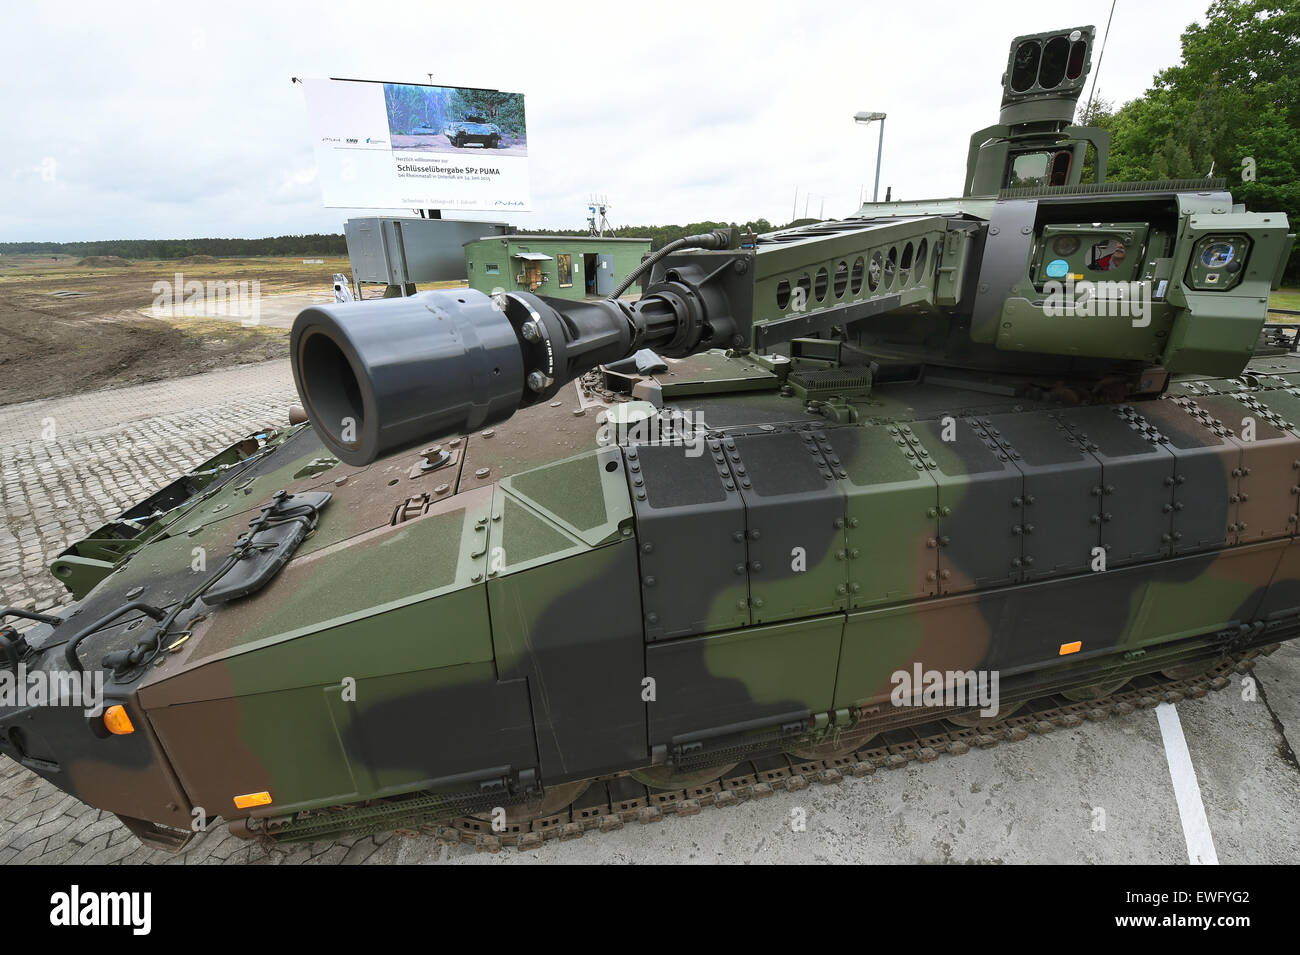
(382, 375)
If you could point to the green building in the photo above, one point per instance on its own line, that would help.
(554, 265)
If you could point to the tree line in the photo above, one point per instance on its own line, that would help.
(280, 245)
(661, 235)
(292, 246)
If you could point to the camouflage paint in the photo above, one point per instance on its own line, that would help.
(501, 619)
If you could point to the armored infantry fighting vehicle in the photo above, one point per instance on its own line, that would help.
(473, 129)
(534, 567)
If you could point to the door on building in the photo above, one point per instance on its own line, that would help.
(605, 281)
(589, 272)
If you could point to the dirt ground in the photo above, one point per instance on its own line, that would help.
(54, 344)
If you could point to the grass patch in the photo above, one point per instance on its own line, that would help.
(1285, 298)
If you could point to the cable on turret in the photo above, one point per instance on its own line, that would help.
(705, 240)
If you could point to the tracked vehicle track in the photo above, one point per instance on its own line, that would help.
(612, 801)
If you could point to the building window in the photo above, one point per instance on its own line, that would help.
(564, 266)
(492, 269)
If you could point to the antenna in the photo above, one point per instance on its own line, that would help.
(808, 197)
(597, 222)
(1087, 110)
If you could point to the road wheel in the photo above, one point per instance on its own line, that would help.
(830, 748)
(552, 801)
(1093, 691)
(1188, 671)
(664, 777)
(974, 721)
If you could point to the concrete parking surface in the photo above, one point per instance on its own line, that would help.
(1098, 793)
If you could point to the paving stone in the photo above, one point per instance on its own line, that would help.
(87, 853)
(88, 817)
(111, 854)
(37, 834)
(360, 852)
(143, 855)
(18, 807)
(385, 854)
(56, 854)
(107, 825)
(30, 854)
(48, 797)
(11, 835)
(225, 843)
(331, 856)
(297, 856)
(241, 856)
(62, 807)
(203, 843)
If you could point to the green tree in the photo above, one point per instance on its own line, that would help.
(504, 109)
(1100, 113)
(1234, 98)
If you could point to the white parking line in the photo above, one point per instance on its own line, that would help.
(1191, 810)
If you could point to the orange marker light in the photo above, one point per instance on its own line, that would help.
(249, 800)
(117, 721)
(1071, 647)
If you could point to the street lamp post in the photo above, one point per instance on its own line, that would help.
(866, 119)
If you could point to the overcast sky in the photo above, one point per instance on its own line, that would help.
(174, 119)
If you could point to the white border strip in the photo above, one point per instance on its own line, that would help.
(1191, 810)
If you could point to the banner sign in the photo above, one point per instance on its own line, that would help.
(410, 146)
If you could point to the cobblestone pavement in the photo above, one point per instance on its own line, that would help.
(1034, 801)
(69, 464)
